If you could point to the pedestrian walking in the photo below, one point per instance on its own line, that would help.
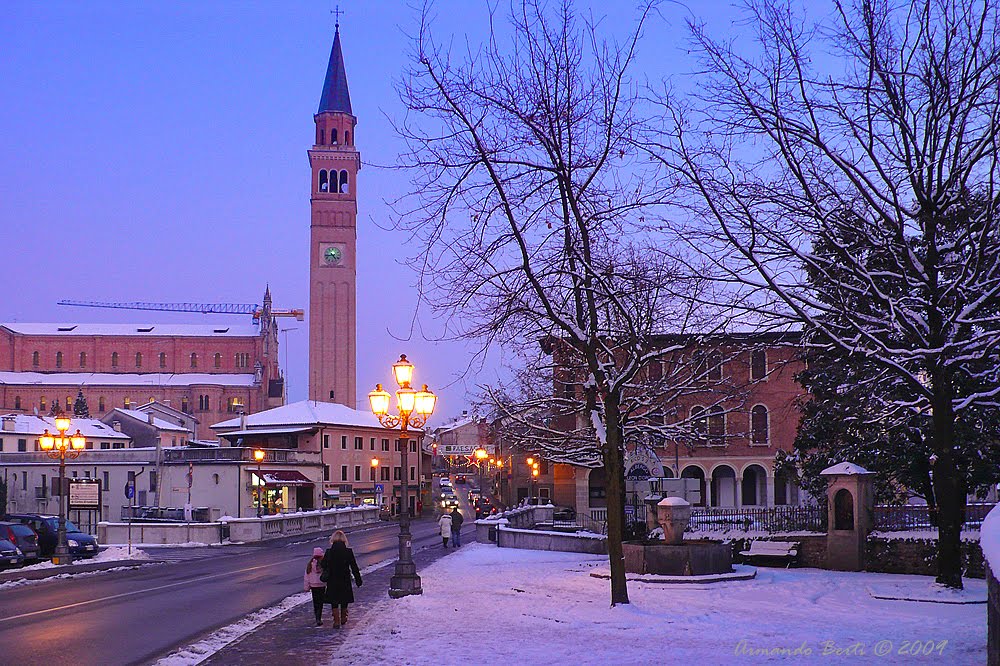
(444, 522)
(456, 527)
(339, 565)
(313, 582)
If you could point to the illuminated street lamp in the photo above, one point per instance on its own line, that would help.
(258, 455)
(414, 408)
(60, 447)
(375, 478)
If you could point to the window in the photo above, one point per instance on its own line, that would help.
(413, 446)
(357, 472)
(152, 481)
(359, 443)
(413, 473)
(569, 391)
(343, 183)
(184, 405)
(163, 359)
(343, 441)
(758, 425)
(343, 472)
(83, 359)
(758, 364)
(24, 481)
(243, 360)
(333, 136)
(326, 472)
(397, 446)
(324, 183)
(347, 138)
(218, 360)
(194, 360)
(138, 359)
(100, 404)
(114, 359)
(17, 402)
(384, 473)
(716, 425)
(326, 443)
(22, 445)
(234, 405)
(69, 403)
(699, 419)
(1, 443)
(105, 445)
(58, 359)
(322, 137)
(105, 480)
(396, 474)
(127, 402)
(385, 444)
(34, 359)
(372, 442)
(118, 445)
(41, 403)
(715, 367)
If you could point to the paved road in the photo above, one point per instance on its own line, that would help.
(133, 617)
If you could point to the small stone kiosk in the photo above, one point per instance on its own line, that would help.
(850, 515)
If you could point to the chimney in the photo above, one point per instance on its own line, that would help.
(9, 422)
(149, 417)
(166, 401)
(117, 425)
(243, 421)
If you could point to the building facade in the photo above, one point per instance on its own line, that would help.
(207, 371)
(737, 429)
(334, 165)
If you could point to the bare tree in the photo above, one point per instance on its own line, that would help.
(861, 201)
(532, 197)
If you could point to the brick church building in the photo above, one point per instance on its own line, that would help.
(208, 371)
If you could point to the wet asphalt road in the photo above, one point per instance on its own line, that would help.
(139, 615)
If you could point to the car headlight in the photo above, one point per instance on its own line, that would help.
(73, 543)
(18, 551)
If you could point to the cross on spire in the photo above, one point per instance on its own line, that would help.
(336, 12)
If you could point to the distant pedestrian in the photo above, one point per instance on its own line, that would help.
(456, 527)
(444, 522)
(313, 582)
(339, 564)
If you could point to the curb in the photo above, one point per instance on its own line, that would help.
(39, 574)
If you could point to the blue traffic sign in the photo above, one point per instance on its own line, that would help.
(379, 488)
(129, 490)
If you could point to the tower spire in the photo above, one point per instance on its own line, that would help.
(336, 96)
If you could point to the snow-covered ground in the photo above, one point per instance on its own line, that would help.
(496, 605)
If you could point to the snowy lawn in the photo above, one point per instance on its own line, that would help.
(535, 607)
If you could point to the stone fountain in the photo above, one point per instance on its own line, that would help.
(673, 556)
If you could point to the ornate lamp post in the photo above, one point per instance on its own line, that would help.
(61, 447)
(258, 455)
(414, 409)
(375, 464)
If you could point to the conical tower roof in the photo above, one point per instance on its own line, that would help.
(336, 97)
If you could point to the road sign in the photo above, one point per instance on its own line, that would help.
(84, 494)
(129, 490)
(379, 488)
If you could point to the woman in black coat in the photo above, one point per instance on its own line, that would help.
(339, 565)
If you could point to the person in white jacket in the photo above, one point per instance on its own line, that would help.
(444, 522)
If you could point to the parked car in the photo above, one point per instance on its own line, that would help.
(10, 555)
(22, 536)
(566, 513)
(80, 543)
(460, 478)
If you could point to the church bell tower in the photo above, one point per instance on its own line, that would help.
(334, 164)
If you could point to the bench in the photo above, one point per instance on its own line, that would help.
(772, 550)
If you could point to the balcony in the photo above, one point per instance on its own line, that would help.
(240, 454)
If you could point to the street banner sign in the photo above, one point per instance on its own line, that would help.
(84, 494)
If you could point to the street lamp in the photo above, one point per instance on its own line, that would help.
(61, 447)
(375, 480)
(258, 455)
(414, 408)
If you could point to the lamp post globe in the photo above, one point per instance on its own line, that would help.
(259, 456)
(413, 409)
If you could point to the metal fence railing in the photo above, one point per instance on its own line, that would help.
(760, 519)
(895, 518)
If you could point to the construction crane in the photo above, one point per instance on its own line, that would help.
(203, 308)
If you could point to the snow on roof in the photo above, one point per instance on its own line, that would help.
(157, 422)
(305, 412)
(125, 379)
(29, 424)
(143, 330)
(845, 468)
(458, 423)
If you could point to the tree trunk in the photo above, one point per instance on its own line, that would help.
(614, 476)
(949, 491)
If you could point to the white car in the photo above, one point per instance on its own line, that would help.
(445, 481)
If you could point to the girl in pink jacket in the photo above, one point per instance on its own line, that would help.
(312, 583)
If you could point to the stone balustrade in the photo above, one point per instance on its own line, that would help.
(240, 529)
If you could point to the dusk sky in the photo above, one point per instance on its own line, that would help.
(157, 151)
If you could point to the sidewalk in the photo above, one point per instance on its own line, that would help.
(292, 639)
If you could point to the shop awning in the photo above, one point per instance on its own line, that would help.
(332, 494)
(288, 477)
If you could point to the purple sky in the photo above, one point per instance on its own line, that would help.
(157, 151)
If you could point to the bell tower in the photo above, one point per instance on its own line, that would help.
(334, 164)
